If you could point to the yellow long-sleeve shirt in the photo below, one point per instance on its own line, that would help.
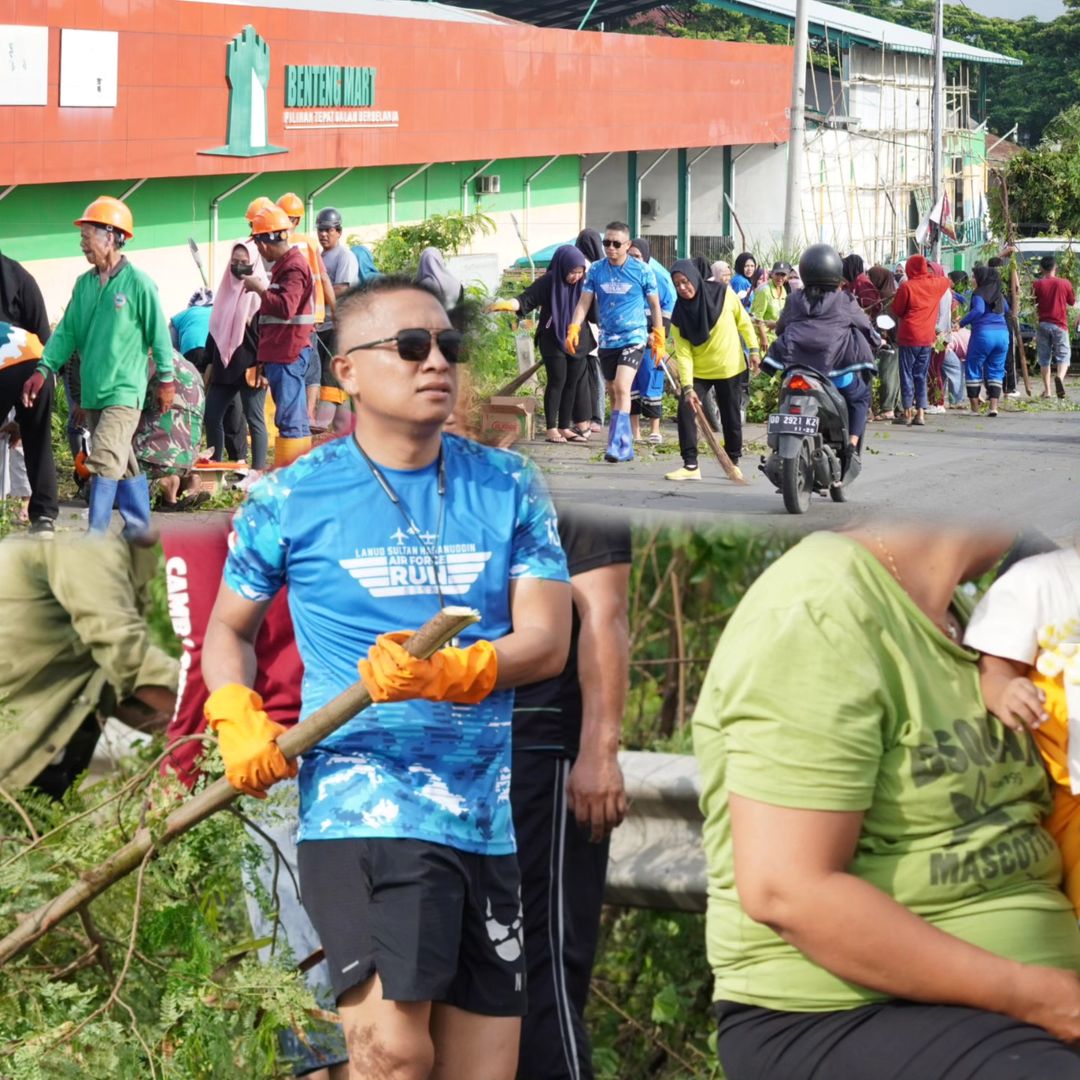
(721, 356)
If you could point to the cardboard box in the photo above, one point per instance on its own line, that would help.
(505, 420)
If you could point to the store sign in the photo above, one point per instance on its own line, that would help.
(247, 70)
(332, 96)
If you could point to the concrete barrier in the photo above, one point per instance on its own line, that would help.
(656, 859)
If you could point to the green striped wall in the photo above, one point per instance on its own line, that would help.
(36, 220)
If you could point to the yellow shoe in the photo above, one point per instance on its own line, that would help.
(683, 474)
(286, 451)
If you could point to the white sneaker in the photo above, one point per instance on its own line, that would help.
(1013, 394)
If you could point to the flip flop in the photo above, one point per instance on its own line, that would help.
(576, 436)
(900, 420)
(916, 422)
(560, 439)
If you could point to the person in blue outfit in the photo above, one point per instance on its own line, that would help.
(625, 290)
(742, 281)
(191, 327)
(647, 393)
(989, 343)
(406, 841)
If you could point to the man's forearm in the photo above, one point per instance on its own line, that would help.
(526, 656)
(581, 309)
(227, 657)
(603, 673)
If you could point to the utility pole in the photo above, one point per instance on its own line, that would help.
(793, 201)
(938, 116)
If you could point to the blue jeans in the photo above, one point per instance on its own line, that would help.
(290, 396)
(953, 370)
(914, 364)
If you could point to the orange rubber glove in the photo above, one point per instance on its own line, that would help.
(658, 344)
(464, 676)
(573, 336)
(246, 737)
(504, 305)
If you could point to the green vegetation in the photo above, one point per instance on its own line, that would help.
(398, 252)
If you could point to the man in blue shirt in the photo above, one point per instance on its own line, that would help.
(406, 850)
(625, 292)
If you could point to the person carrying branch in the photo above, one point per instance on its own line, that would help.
(406, 845)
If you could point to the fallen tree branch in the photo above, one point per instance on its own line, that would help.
(94, 881)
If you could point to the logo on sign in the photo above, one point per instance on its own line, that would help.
(333, 96)
(247, 70)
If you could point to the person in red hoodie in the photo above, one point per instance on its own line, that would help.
(916, 305)
(286, 322)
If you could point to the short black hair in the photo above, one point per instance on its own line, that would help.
(1047, 263)
(617, 226)
(997, 260)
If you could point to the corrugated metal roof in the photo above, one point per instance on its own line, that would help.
(854, 27)
(394, 9)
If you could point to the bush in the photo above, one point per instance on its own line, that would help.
(398, 252)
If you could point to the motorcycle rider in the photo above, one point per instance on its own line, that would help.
(826, 329)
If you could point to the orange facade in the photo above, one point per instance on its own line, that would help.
(460, 92)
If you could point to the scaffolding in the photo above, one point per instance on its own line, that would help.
(867, 179)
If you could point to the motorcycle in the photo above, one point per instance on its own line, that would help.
(809, 439)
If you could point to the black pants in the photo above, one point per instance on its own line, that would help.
(1009, 385)
(728, 394)
(564, 375)
(562, 892)
(35, 429)
(220, 399)
(898, 1040)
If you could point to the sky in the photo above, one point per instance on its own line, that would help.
(1017, 9)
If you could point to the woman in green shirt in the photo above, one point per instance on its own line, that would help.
(883, 899)
(768, 303)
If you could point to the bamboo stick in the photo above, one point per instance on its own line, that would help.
(431, 637)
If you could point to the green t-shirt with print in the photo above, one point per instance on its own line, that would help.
(831, 690)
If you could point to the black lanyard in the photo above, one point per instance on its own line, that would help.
(431, 550)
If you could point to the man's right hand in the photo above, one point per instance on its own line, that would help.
(246, 739)
(690, 397)
(1048, 998)
(32, 389)
(573, 338)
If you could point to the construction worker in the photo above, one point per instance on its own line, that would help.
(406, 846)
(75, 649)
(114, 321)
(331, 406)
(286, 321)
(262, 202)
(325, 296)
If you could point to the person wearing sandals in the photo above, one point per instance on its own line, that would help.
(989, 338)
(556, 295)
(916, 305)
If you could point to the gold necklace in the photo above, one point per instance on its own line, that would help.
(949, 625)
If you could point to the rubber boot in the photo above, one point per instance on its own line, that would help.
(133, 499)
(286, 451)
(620, 438)
(102, 498)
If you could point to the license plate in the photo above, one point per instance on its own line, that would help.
(789, 424)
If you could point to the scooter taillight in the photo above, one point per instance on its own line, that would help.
(794, 410)
(797, 382)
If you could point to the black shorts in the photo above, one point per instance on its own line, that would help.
(437, 924)
(896, 1040)
(611, 359)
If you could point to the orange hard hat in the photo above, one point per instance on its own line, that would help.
(263, 202)
(292, 204)
(109, 212)
(271, 220)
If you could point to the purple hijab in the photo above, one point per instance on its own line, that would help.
(564, 297)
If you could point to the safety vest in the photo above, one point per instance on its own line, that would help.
(311, 253)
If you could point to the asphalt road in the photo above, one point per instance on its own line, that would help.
(1019, 468)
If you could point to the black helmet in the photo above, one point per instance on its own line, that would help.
(821, 265)
(329, 218)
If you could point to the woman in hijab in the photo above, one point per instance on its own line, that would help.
(989, 342)
(556, 295)
(857, 283)
(591, 388)
(721, 271)
(710, 329)
(742, 281)
(433, 270)
(884, 281)
(230, 355)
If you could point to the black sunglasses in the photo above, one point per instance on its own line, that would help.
(415, 344)
(616, 244)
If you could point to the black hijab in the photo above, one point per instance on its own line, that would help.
(704, 267)
(853, 267)
(644, 247)
(988, 286)
(696, 318)
(591, 244)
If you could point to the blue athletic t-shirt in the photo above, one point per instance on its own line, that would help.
(193, 327)
(621, 301)
(355, 569)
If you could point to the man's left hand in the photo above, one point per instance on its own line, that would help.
(596, 794)
(165, 392)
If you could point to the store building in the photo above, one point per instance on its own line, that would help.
(389, 110)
